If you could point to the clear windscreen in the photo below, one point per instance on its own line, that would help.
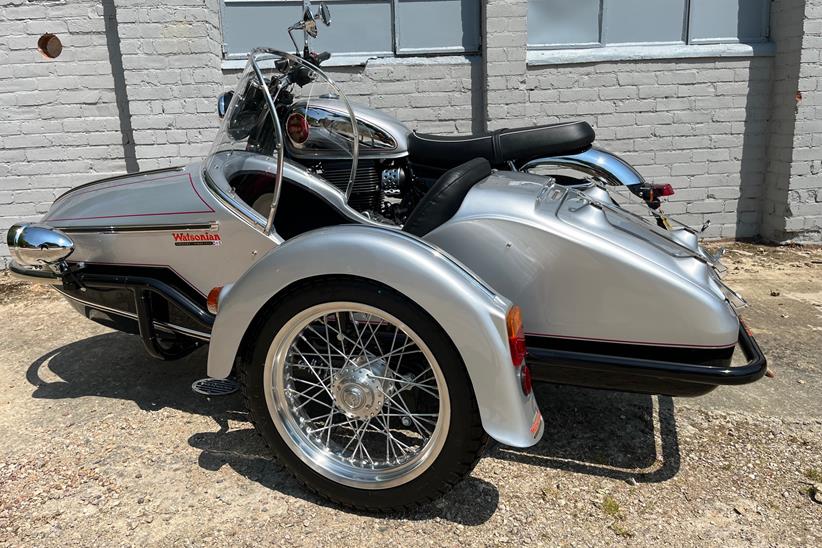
(292, 86)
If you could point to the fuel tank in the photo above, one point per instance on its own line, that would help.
(314, 128)
(585, 271)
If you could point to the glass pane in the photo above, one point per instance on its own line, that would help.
(563, 22)
(438, 25)
(361, 26)
(634, 21)
(728, 20)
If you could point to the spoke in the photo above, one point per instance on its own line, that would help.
(309, 383)
(353, 437)
(340, 352)
(410, 415)
(327, 338)
(374, 333)
(339, 326)
(310, 367)
(309, 398)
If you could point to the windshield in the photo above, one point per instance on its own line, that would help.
(257, 120)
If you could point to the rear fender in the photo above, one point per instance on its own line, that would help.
(469, 311)
(593, 162)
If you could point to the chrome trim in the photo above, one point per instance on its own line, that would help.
(33, 275)
(117, 229)
(595, 162)
(240, 209)
(132, 316)
(37, 244)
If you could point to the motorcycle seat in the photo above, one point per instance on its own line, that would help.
(445, 197)
(498, 147)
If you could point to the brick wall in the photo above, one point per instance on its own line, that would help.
(171, 57)
(48, 107)
(804, 212)
(700, 125)
(61, 124)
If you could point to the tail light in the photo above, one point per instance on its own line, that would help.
(516, 335)
(213, 300)
(297, 128)
(661, 191)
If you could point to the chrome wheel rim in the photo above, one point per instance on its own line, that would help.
(357, 395)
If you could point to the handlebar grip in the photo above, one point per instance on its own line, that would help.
(281, 64)
(324, 56)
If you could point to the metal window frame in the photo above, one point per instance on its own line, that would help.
(687, 24)
(397, 51)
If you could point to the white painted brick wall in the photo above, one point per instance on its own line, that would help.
(59, 124)
(58, 118)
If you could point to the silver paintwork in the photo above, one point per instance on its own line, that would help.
(575, 275)
(594, 162)
(364, 394)
(38, 244)
(470, 312)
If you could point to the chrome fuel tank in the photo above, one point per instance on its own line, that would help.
(313, 127)
(581, 271)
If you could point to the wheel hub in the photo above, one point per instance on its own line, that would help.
(357, 390)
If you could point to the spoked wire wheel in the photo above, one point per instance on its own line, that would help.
(357, 395)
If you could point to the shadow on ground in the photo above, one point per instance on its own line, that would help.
(606, 434)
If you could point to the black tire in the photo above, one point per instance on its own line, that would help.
(465, 439)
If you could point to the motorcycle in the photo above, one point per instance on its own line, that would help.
(396, 162)
(377, 358)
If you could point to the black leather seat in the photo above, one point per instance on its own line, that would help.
(443, 199)
(498, 147)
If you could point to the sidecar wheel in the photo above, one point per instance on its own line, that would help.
(362, 395)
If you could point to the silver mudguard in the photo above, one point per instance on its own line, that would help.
(469, 311)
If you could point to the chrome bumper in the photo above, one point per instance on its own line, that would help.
(34, 275)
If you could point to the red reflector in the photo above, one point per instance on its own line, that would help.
(525, 380)
(662, 190)
(213, 300)
(516, 335)
(297, 128)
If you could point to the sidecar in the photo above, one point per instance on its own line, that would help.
(375, 358)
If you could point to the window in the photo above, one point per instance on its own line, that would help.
(380, 28)
(556, 24)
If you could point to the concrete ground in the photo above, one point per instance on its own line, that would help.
(102, 445)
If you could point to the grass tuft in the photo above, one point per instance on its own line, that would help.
(814, 474)
(611, 507)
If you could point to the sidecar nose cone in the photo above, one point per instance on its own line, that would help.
(38, 244)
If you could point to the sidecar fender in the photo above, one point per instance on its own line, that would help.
(470, 312)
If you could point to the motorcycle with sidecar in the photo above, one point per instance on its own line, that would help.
(376, 358)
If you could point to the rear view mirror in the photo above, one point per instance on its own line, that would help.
(325, 14)
(222, 103)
